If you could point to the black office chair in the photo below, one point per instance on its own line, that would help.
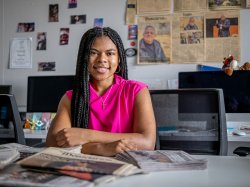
(192, 120)
(11, 129)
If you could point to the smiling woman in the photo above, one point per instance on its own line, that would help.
(105, 112)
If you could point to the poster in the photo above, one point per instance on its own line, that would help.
(21, 53)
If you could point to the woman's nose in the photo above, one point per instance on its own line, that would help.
(102, 57)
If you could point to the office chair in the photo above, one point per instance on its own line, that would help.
(192, 120)
(11, 129)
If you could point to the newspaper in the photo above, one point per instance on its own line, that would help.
(8, 156)
(224, 4)
(153, 6)
(221, 43)
(15, 175)
(190, 5)
(59, 159)
(162, 160)
(188, 40)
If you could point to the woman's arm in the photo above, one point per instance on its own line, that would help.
(143, 137)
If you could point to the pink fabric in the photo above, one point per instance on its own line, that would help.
(117, 116)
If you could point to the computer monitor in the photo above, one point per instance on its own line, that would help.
(236, 88)
(5, 89)
(45, 92)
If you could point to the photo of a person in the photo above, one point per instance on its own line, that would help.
(64, 36)
(78, 19)
(191, 24)
(150, 48)
(41, 41)
(53, 13)
(223, 24)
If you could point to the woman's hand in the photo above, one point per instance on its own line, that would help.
(109, 149)
(69, 137)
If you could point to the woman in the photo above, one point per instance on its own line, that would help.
(105, 113)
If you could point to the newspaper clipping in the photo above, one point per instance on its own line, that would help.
(222, 35)
(224, 4)
(188, 38)
(190, 5)
(153, 6)
(154, 39)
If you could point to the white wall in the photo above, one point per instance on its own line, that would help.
(113, 12)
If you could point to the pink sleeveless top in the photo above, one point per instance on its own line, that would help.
(116, 115)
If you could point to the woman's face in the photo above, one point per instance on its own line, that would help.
(104, 59)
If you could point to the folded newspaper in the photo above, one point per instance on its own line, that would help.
(8, 156)
(162, 160)
(14, 175)
(60, 160)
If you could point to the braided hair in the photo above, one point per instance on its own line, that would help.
(80, 96)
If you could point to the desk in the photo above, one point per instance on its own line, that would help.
(36, 136)
(222, 171)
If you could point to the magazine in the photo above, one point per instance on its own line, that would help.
(8, 156)
(162, 160)
(61, 160)
(14, 175)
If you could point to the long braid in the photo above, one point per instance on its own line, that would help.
(80, 96)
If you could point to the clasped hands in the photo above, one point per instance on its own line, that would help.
(70, 137)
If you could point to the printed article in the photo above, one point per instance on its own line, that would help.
(190, 5)
(188, 38)
(222, 35)
(154, 39)
(153, 6)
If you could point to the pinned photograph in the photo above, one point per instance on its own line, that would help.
(98, 22)
(26, 27)
(53, 12)
(64, 36)
(132, 32)
(46, 66)
(77, 19)
(72, 4)
(41, 41)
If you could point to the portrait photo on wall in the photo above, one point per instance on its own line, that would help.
(53, 13)
(222, 26)
(154, 39)
(41, 41)
(77, 19)
(64, 36)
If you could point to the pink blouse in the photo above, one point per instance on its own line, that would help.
(113, 111)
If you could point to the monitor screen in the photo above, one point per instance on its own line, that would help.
(236, 88)
(45, 92)
(5, 89)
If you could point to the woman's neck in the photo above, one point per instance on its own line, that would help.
(101, 86)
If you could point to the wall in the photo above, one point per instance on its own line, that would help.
(113, 12)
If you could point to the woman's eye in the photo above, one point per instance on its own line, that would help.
(93, 53)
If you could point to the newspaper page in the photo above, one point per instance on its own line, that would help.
(190, 5)
(18, 176)
(59, 159)
(188, 38)
(224, 4)
(154, 39)
(247, 3)
(163, 160)
(222, 35)
(130, 12)
(153, 6)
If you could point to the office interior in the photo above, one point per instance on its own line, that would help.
(157, 76)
